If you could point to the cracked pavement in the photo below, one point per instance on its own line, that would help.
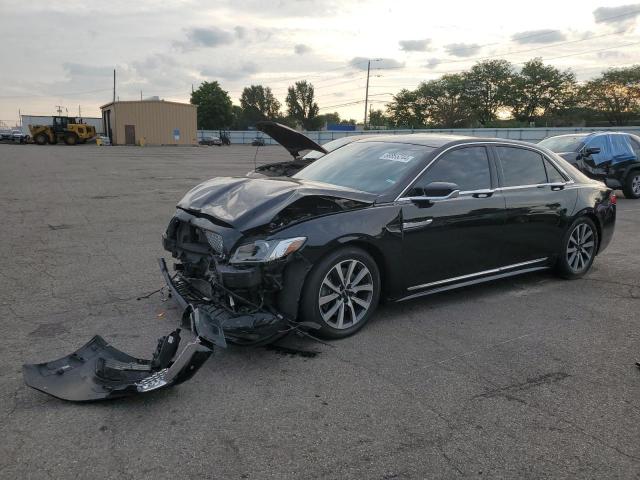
(530, 377)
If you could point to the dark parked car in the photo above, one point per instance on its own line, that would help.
(612, 157)
(210, 141)
(258, 142)
(295, 143)
(395, 217)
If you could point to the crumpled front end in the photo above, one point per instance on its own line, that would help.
(244, 298)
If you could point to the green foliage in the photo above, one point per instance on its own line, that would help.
(615, 95)
(540, 90)
(487, 87)
(258, 103)
(301, 106)
(445, 102)
(405, 111)
(377, 119)
(214, 106)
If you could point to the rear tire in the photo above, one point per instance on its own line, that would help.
(40, 139)
(631, 185)
(579, 249)
(70, 138)
(341, 293)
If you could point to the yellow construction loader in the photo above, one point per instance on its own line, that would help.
(67, 129)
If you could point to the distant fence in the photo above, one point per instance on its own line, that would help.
(526, 134)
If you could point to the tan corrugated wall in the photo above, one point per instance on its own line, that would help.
(155, 121)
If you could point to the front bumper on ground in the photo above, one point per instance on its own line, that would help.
(99, 371)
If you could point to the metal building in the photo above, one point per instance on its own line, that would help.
(150, 122)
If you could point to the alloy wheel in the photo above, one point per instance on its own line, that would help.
(346, 294)
(635, 185)
(581, 247)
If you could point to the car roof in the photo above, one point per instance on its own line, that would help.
(437, 140)
(587, 134)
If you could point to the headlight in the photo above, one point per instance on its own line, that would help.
(266, 250)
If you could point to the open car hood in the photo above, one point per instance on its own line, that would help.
(293, 141)
(246, 203)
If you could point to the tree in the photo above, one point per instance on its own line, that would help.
(258, 103)
(539, 90)
(487, 88)
(377, 119)
(616, 94)
(301, 105)
(214, 106)
(405, 111)
(239, 121)
(330, 118)
(444, 101)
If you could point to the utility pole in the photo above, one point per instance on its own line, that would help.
(79, 112)
(366, 96)
(140, 95)
(59, 107)
(114, 85)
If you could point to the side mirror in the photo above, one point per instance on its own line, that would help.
(588, 151)
(435, 192)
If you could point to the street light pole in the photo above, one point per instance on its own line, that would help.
(366, 96)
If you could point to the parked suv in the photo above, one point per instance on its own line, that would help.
(612, 157)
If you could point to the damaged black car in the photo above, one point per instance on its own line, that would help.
(385, 218)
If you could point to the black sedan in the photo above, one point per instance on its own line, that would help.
(393, 217)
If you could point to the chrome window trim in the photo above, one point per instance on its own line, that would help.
(477, 274)
(485, 143)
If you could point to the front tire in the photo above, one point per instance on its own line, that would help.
(631, 186)
(579, 249)
(341, 293)
(40, 139)
(71, 139)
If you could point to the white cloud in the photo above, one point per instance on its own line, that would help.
(360, 63)
(622, 17)
(462, 49)
(415, 45)
(301, 49)
(538, 36)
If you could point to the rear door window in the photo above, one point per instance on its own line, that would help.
(553, 174)
(521, 166)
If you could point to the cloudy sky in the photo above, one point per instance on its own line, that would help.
(64, 53)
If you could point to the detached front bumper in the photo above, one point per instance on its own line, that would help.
(99, 371)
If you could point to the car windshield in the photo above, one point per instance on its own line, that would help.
(330, 146)
(373, 167)
(563, 144)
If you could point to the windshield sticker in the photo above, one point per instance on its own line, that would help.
(397, 157)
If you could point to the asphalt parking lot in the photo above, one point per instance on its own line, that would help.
(531, 377)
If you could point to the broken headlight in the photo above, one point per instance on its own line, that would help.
(262, 251)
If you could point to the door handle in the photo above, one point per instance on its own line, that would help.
(482, 193)
(416, 224)
(557, 186)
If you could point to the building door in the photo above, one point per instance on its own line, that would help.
(130, 134)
